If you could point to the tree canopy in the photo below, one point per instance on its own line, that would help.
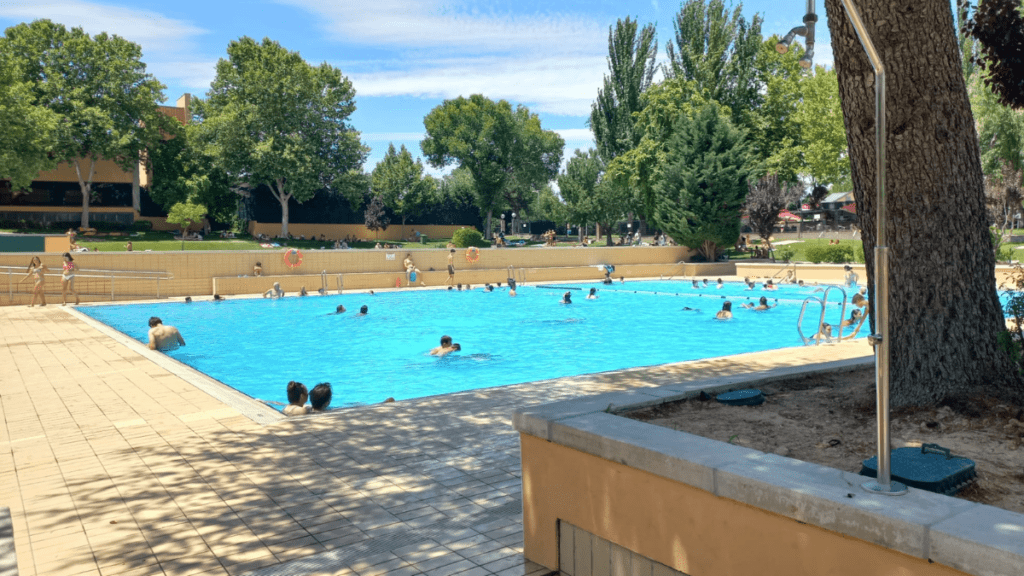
(506, 152)
(272, 118)
(401, 185)
(631, 70)
(28, 133)
(589, 197)
(701, 187)
(820, 120)
(98, 90)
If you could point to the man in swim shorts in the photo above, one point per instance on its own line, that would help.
(163, 337)
(451, 267)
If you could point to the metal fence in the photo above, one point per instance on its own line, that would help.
(90, 284)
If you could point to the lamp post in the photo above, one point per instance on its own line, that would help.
(502, 222)
(514, 223)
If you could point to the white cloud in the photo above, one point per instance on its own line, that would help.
(419, 24)
(551, 85)
(168, 45)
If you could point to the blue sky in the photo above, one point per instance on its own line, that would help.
(404, 57)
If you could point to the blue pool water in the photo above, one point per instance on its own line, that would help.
(257, 346)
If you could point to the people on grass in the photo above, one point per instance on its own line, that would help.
(163, 337)
(67, 279)
(37, 270)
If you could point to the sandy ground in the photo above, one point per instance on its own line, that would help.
(830, 420)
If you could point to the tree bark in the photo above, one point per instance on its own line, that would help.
(136, 196)
(944, 312)
(277, 189)
(86, 187)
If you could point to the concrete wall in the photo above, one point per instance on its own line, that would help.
(194, 272)
(336, 231)
(684, 528)
(106, 171)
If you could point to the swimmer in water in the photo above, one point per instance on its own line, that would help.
(720, 284)
(274, 292)
(593, 294)
(163, 337)
(445, 348)
(567, 298)
(726, 312)
(363, 310)
(695, 284)
(762, 305)
(340, 309)
(824, 333)
(855, 316)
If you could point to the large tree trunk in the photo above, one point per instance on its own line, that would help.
(944, 312)
(85, 184)
(277, 189)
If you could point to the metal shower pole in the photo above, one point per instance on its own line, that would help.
(883, 484)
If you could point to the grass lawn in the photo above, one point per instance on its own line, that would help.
(798, 247)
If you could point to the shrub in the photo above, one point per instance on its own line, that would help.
(142, 226)
(1005, 254)
(831, 253)
(785, 253)
(466, 237)
(858, 253)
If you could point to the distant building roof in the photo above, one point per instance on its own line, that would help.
(838, 197)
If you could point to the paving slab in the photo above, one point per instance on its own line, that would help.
(110, 452)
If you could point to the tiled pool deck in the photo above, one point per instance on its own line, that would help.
(112, 464)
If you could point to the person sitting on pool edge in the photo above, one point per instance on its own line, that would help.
(274, 292)
(566, 298)
(320, 397)
(303, 292)
(726, 312)
(445, 348)
(593, 294)
(163, 337)
(257, 270)
(297, 395)
(762, 305)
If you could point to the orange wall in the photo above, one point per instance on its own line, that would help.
(683, 527)
(106, 171)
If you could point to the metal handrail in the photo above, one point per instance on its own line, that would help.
(110, 275)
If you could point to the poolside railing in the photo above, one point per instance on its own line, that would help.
(89, 283)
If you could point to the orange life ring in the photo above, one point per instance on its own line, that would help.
(472, 254)
(298, 258)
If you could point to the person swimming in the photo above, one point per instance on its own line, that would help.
(274, 292)
(726, 312)
(695, 284)
(445, 348)
(363, 310)
(762, 305)
(567, 298)
(593, 294)
(340, 309)
(720, 284)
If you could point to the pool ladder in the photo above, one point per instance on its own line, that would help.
(518, 275)
(823, 301)
(339, 281)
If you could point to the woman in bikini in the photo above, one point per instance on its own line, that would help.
(67, 279)
(37, 269)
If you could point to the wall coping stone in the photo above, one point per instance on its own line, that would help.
(970, 537)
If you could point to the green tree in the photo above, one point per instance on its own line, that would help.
(400, 183)
(536, 156)
(98, 89)
(777, 139)
(28, 130)
(186, 214)
(631, 66)
(271, 118)
(701, 188)
(820, 118)
(186, 172)
(375, 218)
(548, 206)
(664, 104)
(506, 152)
(718, 52)
(588, 195)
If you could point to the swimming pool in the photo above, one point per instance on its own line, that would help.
(256, 346)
